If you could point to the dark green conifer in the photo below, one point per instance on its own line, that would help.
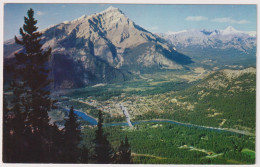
(72, 137)
(33, 71)
(103, 152)
(31, 102)
(124, 155)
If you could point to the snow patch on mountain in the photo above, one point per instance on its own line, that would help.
(227, 31)
(230, 30)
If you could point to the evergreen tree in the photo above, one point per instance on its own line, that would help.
(7, 147)
(15, 124)
(124, 155)
(56, 151)
(103, 152)
(34, 74)
(84, 155)
(72, 137)
(31, 132)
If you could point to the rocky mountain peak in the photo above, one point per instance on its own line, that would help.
(230, 28)
(111, 9)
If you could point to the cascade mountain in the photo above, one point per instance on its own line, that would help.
(103, 47)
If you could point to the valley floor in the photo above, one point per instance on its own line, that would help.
(208, 109)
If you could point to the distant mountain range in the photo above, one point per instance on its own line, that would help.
(221, 39)
(222, 46)
(102, 48)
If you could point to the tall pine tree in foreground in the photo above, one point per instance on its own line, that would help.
(33, 71)
(29, 127)
(103, 152)
(124, 155)
(72, 137)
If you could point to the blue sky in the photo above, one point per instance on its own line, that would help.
(155, 18)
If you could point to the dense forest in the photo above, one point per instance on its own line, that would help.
(175, 144)
(235, 103)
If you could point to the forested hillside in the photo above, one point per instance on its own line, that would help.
(225, 99)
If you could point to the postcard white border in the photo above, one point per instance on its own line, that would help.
(212, 2)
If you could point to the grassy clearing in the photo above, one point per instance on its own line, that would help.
(249, 152)
(148, 155)
(231, 161)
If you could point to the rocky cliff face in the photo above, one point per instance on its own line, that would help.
(101, 48)
(110, 36)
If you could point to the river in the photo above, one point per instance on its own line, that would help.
(84, 116)
(93, 121)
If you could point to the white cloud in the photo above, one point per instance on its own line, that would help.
(196, 18)
(229, 20)
(40, 13)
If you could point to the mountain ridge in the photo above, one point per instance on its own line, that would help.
(215, 47)
(222, 39)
